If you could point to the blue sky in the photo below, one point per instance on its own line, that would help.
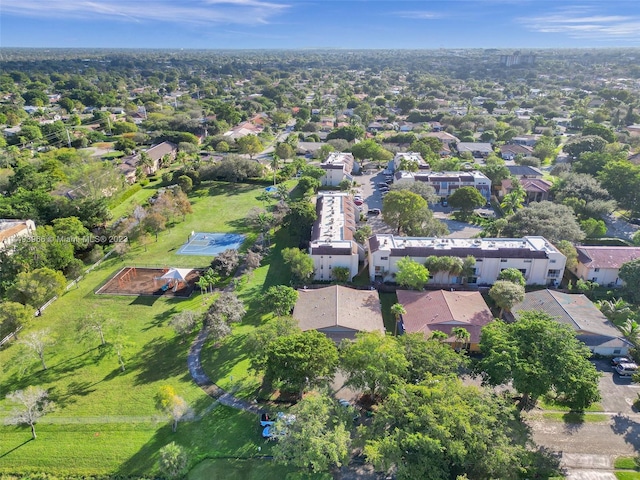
(320, 23)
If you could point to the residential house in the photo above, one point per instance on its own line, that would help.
(242, 130)
(338, 312)
(528, 140)
(442, 311)
(337, 167)
(476, 149)
(510, 152)
(577, 311)
(524, 171)
(539, 261)
(445, 183)
(12, 231)
(444, 137)
(601, 264)
(332, 244)
(537, 189)
(129, 164)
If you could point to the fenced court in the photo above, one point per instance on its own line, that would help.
(202, 243)
(148, 281)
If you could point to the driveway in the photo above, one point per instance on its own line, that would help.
(618, 393)
(619, 228)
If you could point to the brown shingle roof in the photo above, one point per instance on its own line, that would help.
(336, 305)
(443, 311)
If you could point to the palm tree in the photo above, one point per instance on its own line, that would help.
(631, 331)
(398, 310)
(146, 163)
(203, 283)
(511, 202)
(461, 335)
(616, 310)
(438, 335)
(275, 164)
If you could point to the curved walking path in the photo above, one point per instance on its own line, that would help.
(204, 382)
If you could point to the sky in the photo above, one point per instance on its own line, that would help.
(307, 24)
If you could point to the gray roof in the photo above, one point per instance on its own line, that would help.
(338, 306)
(574, 310)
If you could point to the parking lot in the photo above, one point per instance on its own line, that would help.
(618, 393)
(370, 192)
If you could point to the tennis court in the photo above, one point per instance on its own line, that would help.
(201, 243)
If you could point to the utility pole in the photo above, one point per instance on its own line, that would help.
(68, 137)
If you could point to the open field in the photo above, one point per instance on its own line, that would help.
(106, 421)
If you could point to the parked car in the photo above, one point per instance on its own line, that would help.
(382, 184)
(374, 211)
(618, 360)
(626, 369)
(358, 202)
(444, 203)
(635, 221)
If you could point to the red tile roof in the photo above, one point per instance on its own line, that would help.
(443, 310)
(606, 257)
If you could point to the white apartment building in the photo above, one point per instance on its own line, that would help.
(445, 183)
(409, 157)
(332, 244)
(539, 261)
(12, 230)
(337, 167)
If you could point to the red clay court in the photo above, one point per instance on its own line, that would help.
(147, 281)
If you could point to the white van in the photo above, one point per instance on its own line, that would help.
(627, 369)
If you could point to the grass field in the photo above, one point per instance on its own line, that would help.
(106, 421)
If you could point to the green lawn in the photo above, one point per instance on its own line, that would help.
(106, 421)
(386, 301)
(254, 469)
(575, 417)
(627, 475)
(625, 463)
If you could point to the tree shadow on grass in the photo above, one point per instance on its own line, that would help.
(18, 381)
(74, 389)
(4, 454)
(160, 358)
(145, 300)
(223, 358)
(230, 188)
(221, 433)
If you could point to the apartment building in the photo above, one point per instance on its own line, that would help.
(539, 261)
(337, 167)
(445, 183)
(332, 244)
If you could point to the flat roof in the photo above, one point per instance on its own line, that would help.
(389, 241)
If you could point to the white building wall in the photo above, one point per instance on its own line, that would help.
(487, 269)
(604, 276)
(323, 265)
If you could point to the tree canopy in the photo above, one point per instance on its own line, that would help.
(553, 221)
(409, 213)
(411, 274)
(539, 355)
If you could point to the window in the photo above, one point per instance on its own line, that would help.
(523, 271)
(616, 351)
(478, 260)
(552, 261)
(596, 269)
(553, 273)
(528, 260)
(503, 260)
(384, 258)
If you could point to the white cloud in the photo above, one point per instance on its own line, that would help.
(245, 12)
(584, 22)
(418, 14)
